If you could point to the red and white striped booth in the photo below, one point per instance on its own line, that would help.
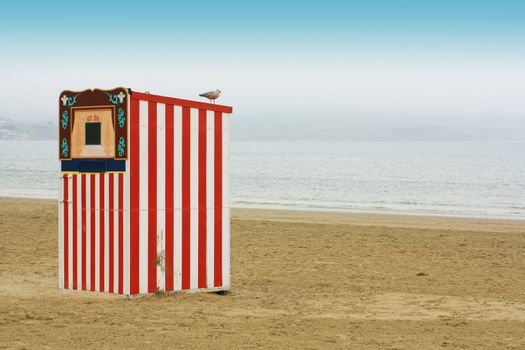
(144, 193)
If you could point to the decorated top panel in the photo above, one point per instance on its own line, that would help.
(93, 124)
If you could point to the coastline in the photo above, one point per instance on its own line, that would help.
(302, 212)
(383, 220)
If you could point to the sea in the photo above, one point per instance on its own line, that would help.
(465, 179)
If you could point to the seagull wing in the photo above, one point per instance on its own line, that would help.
(207, 94)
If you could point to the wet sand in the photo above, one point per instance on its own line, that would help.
(299, 280)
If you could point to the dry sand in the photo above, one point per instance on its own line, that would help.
(300, 280)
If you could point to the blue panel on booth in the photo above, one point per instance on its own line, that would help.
(95, 165)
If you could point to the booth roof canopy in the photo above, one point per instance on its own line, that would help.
(179, 102)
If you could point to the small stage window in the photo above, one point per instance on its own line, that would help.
(93, 133)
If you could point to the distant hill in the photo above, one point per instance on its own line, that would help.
(295, 128)
(13, 130)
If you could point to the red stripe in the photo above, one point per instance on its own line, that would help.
(152, 196)
(169, 197)
(218, 201)
(102, 231)
(92, 244)
(83, 184)
(111, 232)
(121, 233)
(66, 233)
(202, 198)
(134, 156)
(75, 232)
(186, 131)
(180, 102)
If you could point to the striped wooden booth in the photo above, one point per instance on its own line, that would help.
(144, 193)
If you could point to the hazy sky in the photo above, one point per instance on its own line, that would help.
(379, 62)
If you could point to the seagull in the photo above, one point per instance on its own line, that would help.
(212, 95)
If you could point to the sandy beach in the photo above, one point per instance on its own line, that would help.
(303, 280)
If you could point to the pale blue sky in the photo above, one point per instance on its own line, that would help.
(427, 62)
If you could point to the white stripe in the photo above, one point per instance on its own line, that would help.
(97, 232)
(61, 230)
(161, 190)
(177, 153)
(225, 161)
(88, 232)
(177, 251)
(210, 188)
(194, 158)
(143, 205)
(70, 232)
(161, 155)
(115, 233)
(161, 253)
(194, 198)
(194, 248)
(177, 215)
(210, 248)
(79, 231)
(226, 200)
(106, 232)
(126, 218)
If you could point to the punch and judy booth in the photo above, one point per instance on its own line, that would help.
(143, 193)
